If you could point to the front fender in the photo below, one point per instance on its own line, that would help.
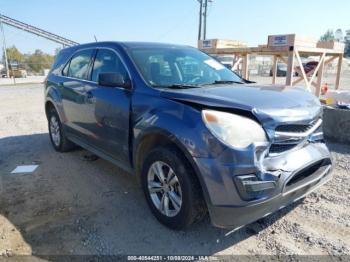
(183, 126)
(180, 123)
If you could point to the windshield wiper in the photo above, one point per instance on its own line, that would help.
(218, 82)
(177, 86)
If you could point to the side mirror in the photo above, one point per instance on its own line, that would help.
(113, 80)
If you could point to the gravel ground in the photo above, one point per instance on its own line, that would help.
(26, 80)
(73, 206)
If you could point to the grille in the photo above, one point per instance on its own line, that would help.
(290, 135)
(280, 148)
(293, 128)
(308, 171)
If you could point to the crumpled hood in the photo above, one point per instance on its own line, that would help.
(276, 103)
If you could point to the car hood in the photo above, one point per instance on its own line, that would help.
(266, 102)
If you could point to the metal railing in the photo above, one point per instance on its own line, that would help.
(37, 31)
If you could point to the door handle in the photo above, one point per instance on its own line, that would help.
(90, 97)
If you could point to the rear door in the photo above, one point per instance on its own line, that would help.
(108, 108)
(74, 93)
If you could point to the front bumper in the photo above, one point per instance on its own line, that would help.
(290, 172)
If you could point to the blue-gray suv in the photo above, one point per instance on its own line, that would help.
(199, 137)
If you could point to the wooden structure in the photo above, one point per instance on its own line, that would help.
(289, 49)
(220, 43)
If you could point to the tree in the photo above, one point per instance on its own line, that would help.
(36, 62)
(57, 50)
(13, 55)
(328, 36)
(338, 35)
(39, 61)
(347, 48)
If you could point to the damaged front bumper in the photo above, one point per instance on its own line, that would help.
(243, 186)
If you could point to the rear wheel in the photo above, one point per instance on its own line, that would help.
(171, 188)
(57, 136)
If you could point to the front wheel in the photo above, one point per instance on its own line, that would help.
(171, 189)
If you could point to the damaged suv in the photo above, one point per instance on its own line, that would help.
(199, 137)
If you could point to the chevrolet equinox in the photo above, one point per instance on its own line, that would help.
(198, 136)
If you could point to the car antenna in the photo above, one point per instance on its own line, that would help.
(95, 38)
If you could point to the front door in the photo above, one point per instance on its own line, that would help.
(109, 107)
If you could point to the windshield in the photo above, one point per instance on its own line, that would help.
(164, 67)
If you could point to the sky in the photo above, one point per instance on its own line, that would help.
(168, 21)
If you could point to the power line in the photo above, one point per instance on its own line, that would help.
(179, 25)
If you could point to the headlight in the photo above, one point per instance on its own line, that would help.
(233, 130)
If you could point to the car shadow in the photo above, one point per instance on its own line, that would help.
(77, 205)
(338, 148)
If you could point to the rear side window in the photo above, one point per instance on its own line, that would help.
(79, 64)
(107, 61)
(60, 61)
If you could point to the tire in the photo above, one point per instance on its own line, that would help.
(186, 187)
(58, 138)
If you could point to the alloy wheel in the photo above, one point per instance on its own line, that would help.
(55, 131)
(164, 189)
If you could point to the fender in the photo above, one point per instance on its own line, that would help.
(53, 95)
(185, 129)
(178, 121)
(173, 139)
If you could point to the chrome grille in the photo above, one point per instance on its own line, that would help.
(289, 136)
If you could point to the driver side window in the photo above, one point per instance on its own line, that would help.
(79, 64)
(107, 61)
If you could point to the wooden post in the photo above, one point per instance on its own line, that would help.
(274, 69)
(245, 69)
(236, 64)
(321, 62)
(337, 80)
(290, 68)
(320, 75)
(302, 71)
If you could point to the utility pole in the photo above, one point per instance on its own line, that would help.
(205, 19)
(200, 19)
(4, 46)
(203, 4)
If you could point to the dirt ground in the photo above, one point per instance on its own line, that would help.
(73, 206)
